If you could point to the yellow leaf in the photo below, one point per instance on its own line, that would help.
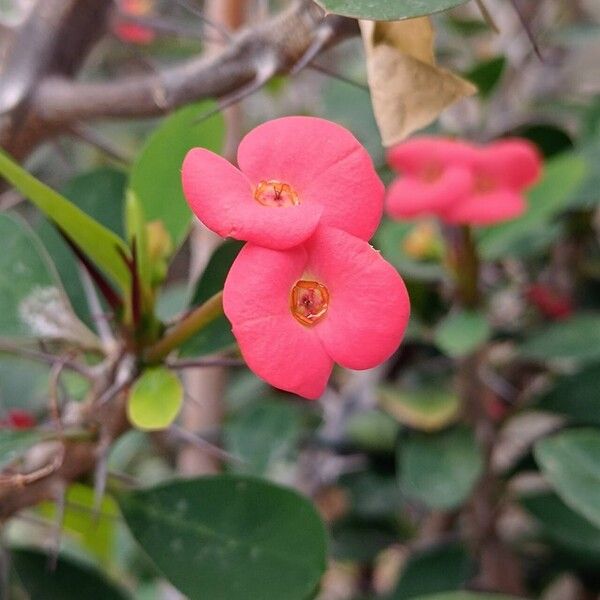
(408, 89)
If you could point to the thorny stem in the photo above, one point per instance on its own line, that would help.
(463, 263)
(190, 324)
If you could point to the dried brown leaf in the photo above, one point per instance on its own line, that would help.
(408, 89)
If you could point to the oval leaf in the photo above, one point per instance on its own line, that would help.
(570, 460)
(32, 301)
(439, 470)
(424, 409)
(229, 538)
(380, 10)
(155, 399)
(156, 174)
(577, 340)
(461, 333)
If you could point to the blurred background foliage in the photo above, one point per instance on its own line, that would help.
(385, 456)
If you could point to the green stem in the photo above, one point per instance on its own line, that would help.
(196, 320)
(463, 262)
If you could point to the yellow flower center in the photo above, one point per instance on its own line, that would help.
(309, 301)
(275, 193)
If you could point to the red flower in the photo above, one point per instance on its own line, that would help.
(296, 312)
(134, 33)
(18, 419)
(549, 302)
(462, 183)
(295, 173)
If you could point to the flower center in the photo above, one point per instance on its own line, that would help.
(275, 193)
(309, 301)
(484, 184)
(431, 172)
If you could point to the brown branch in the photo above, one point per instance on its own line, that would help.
(282, 41)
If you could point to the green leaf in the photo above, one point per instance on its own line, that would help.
(379, 10)
(461, 333)
(264, 435)
(229, 537)
(576, 339)
(14, 443)
(429, 409)
(575, 396)
(95, 240)
(570, 460)
(487, 74)
(438, 569)
(32, 301)
(217, 336)
(100, 194)
(156, 174)
(372, 495)
(372, 431)
(439, 469)
(155, 399)
(562, 176)
(564, 527)
(94, 531)
(68, 579)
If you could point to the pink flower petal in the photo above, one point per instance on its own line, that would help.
(514, 163)
(223, 199)
(409, 197)
(486, 209)
(368, 302)
(324, 163)
(420, 154)
(256, 299)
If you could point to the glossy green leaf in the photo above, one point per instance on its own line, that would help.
(372, 495)
(576, 339)
(381, 10)
(32, 301)
(570, 460)
(487, 74)
(575, 396)
(562, 176)
(155, 399)
(99, 243)
(156, 174)
(69, 579)
(229, 537)
(217, 336)
(14, 443)
(439, 469)
(438, 569)
(564, 527)
(461, 333)
(427, 409)
(100, 194)
(264, 436)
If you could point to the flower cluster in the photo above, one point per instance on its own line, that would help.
(307, 290)
(461, 183)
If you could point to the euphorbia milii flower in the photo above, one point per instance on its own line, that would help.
(294, 174)
(462, 183)
(296, 312)
(129, 31)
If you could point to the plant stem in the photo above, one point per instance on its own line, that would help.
(463, 262)
(199, 318)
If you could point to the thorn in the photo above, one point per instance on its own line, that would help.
(338, 76)
(528, 30)
(100, 475)
(57, 527)
(202, 444)
(487, 16)
(265, 71)
(223, 32)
